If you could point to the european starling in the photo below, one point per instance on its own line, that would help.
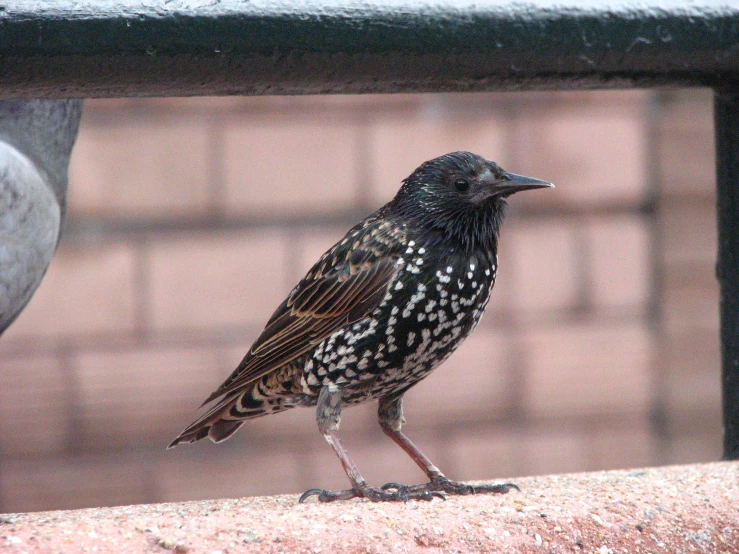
(376, 314)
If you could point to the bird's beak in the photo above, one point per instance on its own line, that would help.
(511, 183)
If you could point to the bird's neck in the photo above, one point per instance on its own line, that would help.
(473, 229)
(474, 233)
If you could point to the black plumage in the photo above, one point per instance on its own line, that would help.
(377, 313)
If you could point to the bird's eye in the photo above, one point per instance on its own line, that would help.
(461, 185)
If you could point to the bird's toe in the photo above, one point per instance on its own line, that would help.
(330, 496)
(455, 487)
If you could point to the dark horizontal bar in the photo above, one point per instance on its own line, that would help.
(96, 48)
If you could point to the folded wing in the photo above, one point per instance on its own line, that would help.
(345, 286)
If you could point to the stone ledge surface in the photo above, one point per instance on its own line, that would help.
(674, 509)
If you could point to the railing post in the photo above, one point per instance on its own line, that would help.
(726, 114)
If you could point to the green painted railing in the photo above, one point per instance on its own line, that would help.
(186, 47)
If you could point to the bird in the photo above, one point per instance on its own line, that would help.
(377, 313)
(36, 140)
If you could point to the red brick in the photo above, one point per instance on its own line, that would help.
(690, 298)
(627, 98)
(592, 154)
(399, 145)
(141, 166)
(686, 142)
(692, 372)
(34, 406)
(71, 483)
(547, 450)
(688, 227)
(139, 396)
(362, 420)
(619, 261)
(87, 290)
(292, 166)
(539, 103)
(541, 266)
(485, 453)
(110, 111)
(323, 469)
(691, 448)
(216, 280)
(580, 369)
(345, 105)
(621, 448)
(220, 471)
(688, 277)
(472, 384)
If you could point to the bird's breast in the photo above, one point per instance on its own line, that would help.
(434, 302)
(442, 288)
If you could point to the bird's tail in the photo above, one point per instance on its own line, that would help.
(224, 419)
(216, 423)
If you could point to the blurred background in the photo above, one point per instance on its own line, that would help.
(191, 219)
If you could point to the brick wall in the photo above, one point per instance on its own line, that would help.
(190, 219)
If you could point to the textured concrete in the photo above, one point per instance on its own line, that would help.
(692, 508)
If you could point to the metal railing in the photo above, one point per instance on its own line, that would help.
(108, 48)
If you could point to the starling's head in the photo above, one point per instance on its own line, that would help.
(462, 194)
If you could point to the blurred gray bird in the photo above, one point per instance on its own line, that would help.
(36, 139)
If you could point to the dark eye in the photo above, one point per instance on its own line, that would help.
(461, 185)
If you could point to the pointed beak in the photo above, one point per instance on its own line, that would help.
(511, 183)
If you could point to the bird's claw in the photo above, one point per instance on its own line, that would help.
(437, 487)
(392, 492)
(454, 487)
(423, 491)
(328, 496)
(396, 492)
(396, 486)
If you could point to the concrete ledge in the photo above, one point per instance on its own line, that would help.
(692, 508)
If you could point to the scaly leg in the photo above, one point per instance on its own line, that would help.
(328, 418)
(390, 415)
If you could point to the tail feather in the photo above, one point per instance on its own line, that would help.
(223, 429)
(224, 419)
(201, 427)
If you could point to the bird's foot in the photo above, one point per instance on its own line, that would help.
(442, 485)
(401, 493)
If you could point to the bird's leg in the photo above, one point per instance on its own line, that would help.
(328, 417)
(390, 415)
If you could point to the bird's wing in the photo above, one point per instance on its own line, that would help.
(343, 287)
